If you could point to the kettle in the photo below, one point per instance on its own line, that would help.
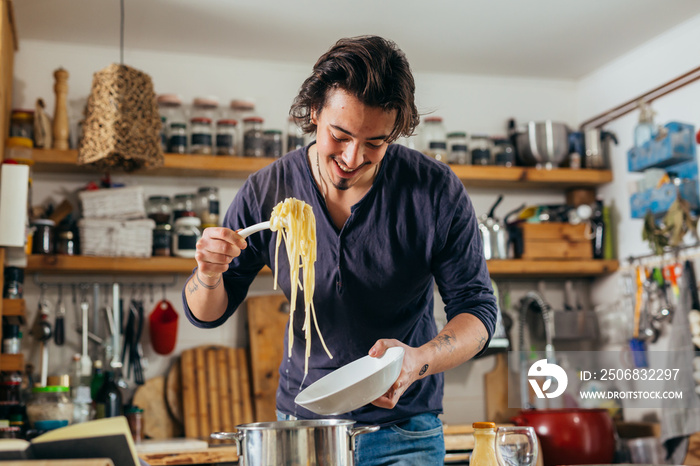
(493, 235)
(597, 143)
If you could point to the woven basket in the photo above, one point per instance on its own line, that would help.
(122, 124)
(113, 203)
(114, 238)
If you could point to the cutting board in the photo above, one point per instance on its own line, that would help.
(157, 423)
(215, 390)
(173, 391)
(267, 322)
(496, 391)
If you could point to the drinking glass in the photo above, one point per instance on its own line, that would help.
(516, 446)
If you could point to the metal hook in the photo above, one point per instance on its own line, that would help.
(164, 298)
(150, 286)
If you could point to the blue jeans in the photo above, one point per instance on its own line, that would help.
(418, 441)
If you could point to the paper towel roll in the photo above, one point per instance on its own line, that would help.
(14, 188)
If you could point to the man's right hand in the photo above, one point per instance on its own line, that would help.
(215, 250)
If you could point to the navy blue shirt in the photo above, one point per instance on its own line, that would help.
(375, 277)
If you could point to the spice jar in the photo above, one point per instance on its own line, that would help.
(185, 237)
(205, 107)
(504, 153)
(295, 135)
(226, 137)
(65, 242)
(50, 403)
(253, 144)
(240, 109)
(183, 205)
(170, 109)
(435, 138)
(10, 389)
(42, 241)
(200, 136)
(11, 340)
(481, 149)
(162, 239)
(273, 143)
(158, 209)
(177, 138)
(134, 416)
(22, 124)
(13, 288)
(208, 207)
(457, 145)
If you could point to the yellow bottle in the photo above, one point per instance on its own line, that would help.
(484, 452)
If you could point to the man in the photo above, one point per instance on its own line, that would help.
(391, 223)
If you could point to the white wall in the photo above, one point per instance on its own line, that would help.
(470, 103)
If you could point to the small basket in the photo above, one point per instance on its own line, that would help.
(114, 238)
(114, 203)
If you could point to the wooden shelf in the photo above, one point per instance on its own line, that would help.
(11, 362)
(57, 264)
(14, 310)
(65, 161)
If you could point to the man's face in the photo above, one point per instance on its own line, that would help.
(351, 139)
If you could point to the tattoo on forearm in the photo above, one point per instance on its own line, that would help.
(445, 340)
(192, 286)
(482, 342)
(423, 370)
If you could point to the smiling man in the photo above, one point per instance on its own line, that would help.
(391, 223)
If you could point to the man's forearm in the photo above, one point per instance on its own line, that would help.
(206, 297)
(460, 340)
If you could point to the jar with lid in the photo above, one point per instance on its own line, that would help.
(484, 452)
(22, 124)
(503, 152)
(183, 205)
(200, 136)
(240, 109)
(177, 138)
(457, 146)
(134, 416)
(226, 137)
(11, 340)
(162, 239)
(19, 149)
(273, 143)
(206, 107)
(13, 288)
(253, 142)
(50, 403)
(65, 242)
(171, 112)
(435, 138)
(295, 135)
(208, 206)
(11, 389)
(481, 149)
(42, 242)
(185, 236)
(158, 209)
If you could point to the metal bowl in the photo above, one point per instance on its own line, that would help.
(543, 144)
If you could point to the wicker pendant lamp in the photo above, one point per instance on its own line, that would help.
(122, 124)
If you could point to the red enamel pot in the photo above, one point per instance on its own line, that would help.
(572, 436)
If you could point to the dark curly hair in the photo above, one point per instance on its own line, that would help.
(372, 69)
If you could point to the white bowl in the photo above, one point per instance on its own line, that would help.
(353, 385)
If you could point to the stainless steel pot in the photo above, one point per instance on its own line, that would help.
(322, 442)
(543, 144)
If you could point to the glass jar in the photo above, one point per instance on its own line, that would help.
(457, 146)
(134, 416)
(273, 143)
(13, 288)
(10, 389)
(504, 152)
(42, 242)
(435, 138)
(205, 107)
(185, 236)
(240, 109)
(11, 341)
(158, 209)
(183, 205)
(65, 242)
(162, 240)
(177, 138)
(200, 136)
(208, 207)
(295, 135)
(226, 137)
(253, 143)
(481, 149)
(22, 124)
(50, 403)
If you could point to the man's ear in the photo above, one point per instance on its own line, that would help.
(314, 116)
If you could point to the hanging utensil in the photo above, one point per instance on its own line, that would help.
(59, 327)
(85, 361)
(41, 331)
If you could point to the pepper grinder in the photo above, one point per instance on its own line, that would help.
(60, 117)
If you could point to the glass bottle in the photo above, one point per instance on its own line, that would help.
(272, 142)
(108, 402)
(484, 452)
(644, 131)
(435, 138)
(457, 146)
(226, 137)
(295, 135)
(200, 136)
(80, 393)
(97, 380)
(253, 143)
(208, 206)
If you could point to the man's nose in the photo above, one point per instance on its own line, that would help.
(352, 155)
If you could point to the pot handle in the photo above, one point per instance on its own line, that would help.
(237, 436)
(362, 430)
